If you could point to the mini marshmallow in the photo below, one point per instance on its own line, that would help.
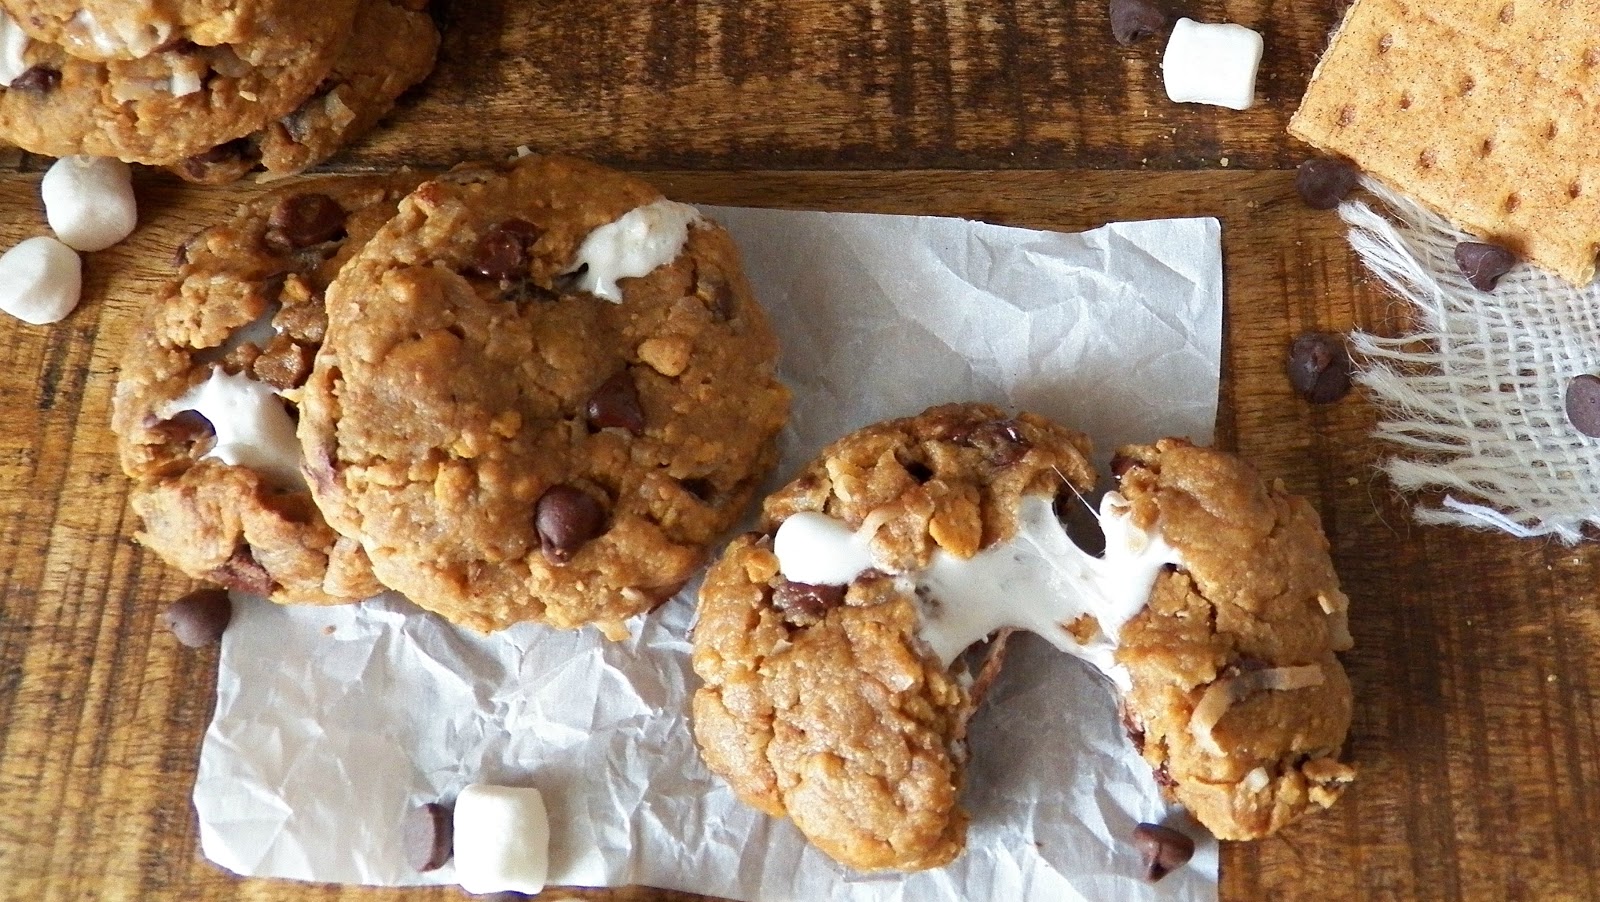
(634, 245)
(13, 41)
(89, 201)
(41, 280)
(1213, 64)
(253, 428)
(502, 839)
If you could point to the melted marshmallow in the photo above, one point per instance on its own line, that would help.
(644, 238)
(13, 43)
(1040, 580)
(253, 429)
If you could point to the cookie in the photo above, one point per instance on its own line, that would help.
(261, 32)
(544, 391)
(827, 641)
(391, 49)
(1237, 700)
(1480, 109)
(246, 306)
(164, 107)
(823, 700)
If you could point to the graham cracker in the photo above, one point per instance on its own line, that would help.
(1488, 111)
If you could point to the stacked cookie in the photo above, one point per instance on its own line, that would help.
(210, 90)
(535, 392)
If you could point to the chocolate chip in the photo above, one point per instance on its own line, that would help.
(198, 619)
(283, 363)
(615, 404)
(183, 427)
(1120, 465)
(714, 290)
(1164, 849)
(427, 836)
(1323, 182)
(37, 80)
(566, 518)
(244, 573)
(303, 220)
(502, 252)
(1319, 367)
(1135, 20)
(1583, 404)
(225, 162)
(806, 599)
(1484, 264)
(1000, 441)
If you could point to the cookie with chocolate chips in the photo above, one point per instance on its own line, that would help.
(825, 699)
(169, 104)
(1237, 700)
(545, 390)
(245, 312)
(261, 32)
(391, 49)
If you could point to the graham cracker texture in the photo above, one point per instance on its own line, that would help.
(1484, 110)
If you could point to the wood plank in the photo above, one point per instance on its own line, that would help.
(1474, 667)
(820, 84)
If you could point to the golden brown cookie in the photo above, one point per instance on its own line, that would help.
(1237, 702)
(259, 31)
(822, 702)
(247, 299)
(515, 427)
(165, 106)
(391, 49)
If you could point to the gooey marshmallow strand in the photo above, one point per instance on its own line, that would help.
(1040, 580)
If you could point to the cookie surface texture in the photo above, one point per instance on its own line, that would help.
(392, 48)
(835, 713)
(509, 446)
(248, 299)
(1237, 702)
(260, 32)
(1480, 109)
(167, 105)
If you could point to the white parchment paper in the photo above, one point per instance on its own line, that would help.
(332, 722)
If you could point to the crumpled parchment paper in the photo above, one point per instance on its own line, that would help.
(332, 722)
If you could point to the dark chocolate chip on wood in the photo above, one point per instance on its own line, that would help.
(1164, 849)
(199, 618)
(806, 599)
(1319, 367)
(303, 220)
(1583, 404)
(615, 404)
(1135, 20)
(427, 836)
(566, 518)
(1323, 183)
(1484, 264)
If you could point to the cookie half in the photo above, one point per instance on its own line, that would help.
(544, 392)
(163, 107)
(1236, 698)
(245, 317)
(823, 700)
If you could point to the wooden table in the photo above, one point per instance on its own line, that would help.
(1475, 657)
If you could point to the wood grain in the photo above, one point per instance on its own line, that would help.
(1476, 658)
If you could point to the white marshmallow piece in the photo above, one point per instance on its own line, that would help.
(13, 41)
(41, 280)
(502, 839)
(815, 548)
(1213, 64)
(634, 245)
(89, 201)
(253, 428)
